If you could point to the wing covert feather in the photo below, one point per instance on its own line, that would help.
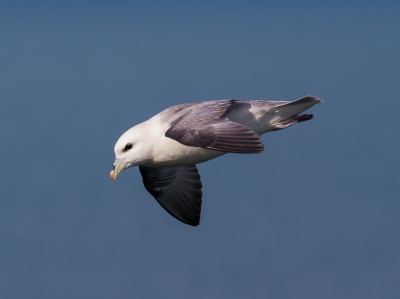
(207, 126)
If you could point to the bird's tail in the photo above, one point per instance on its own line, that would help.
(289, 113)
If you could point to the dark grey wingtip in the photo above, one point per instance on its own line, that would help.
(186, 218)
(176, 189)
(194, 224)
(303, 117)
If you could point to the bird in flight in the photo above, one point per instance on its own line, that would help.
(168, 146)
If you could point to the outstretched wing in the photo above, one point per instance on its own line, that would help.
(177, 189)
(206, 125)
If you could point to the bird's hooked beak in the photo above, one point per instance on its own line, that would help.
(118, 166)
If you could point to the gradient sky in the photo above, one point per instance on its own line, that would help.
(315, 216)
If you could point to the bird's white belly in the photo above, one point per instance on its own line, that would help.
(172, 153)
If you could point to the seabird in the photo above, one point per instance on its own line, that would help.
(168, 146)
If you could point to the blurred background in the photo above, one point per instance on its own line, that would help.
(315, 216)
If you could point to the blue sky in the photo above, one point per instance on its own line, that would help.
(315, 216)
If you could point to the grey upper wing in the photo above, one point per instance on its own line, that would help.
(206, 125)
(177, 189)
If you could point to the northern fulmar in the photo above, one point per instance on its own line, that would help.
(168, 146)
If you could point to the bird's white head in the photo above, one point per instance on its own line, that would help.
(131, 149)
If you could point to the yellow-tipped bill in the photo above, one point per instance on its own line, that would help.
(118, 165)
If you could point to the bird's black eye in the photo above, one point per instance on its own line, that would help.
(128, 146)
